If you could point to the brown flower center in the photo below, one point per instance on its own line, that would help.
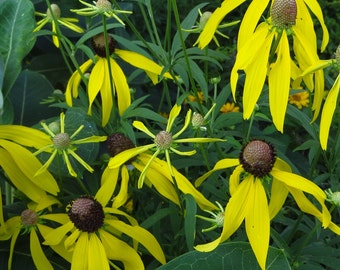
(29, 217)
(283, 13)
(163, 140)
(98, 44)
(117, 143)
(87, 214)
(258, 158)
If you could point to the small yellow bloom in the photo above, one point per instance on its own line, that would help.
(96, 244)
(63, 144)
(300, 99)
(52, 16)
(200, 96)
(248, 185)
(229, 107)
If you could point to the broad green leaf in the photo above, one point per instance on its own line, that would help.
(16, 27)
(28, 91)
(190, 220)
(231, 256)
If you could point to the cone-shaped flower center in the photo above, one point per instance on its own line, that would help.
(257, 158)
(29, 217)
(337, 55)
(163, 140)
(55, 10)
(104, 4)
(87, 214)
(197, 120)
(61, 141)
(283, 13)
(98, 44)
(117, 143)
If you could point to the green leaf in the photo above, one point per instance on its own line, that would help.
(190, 220)
(231, 256)
(17, 39)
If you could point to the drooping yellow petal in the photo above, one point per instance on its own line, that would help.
(172, 116)
(108, 185)
(328, 112)
(186, 124)
(57, 235)
(74, 82)
(38, 256)
(236, 210)
(316, 9)
(11, 249)
(96, 80)
(250, 21)
(97, 258)
(71, 240)
(81, 253)
(140, 125)
(142, 62)
(321, 64)
(199, 140)
(256, 73)
(126, 155)
(29, 165)
(33, 137)
(106, 94)
(122, 87)
(279, 83)
(127, 255)
(234, 180)
(213, 22)
(300, 183)
(258, 224)
(220, 165)
(142, 236)
(55, 38)
(123, 194)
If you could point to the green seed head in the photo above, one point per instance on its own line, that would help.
(55, 10)
(61, 141)
(163, 140)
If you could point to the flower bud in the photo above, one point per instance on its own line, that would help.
(55, 10)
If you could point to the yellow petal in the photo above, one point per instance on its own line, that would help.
(38, 256)
(234, 180)
(235, 212)
(142, 236)
(126, 155)
(11, 249)
(142, 62)
(96, 254)
(279, 83)
(123, 194)
(96, 80)
(57, 235)
(81, 253)
(215, 19)
(250, 21)
(258, 224)
(220, 165)
(172, 116)
(328, 112)
(185, 126)
(122, 87)
(108, 185)
(71, 239)
(127, 255)
(198, 140)
(106, 95)
(139, 125)
(321, 64)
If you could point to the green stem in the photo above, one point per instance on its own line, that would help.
(250, 126)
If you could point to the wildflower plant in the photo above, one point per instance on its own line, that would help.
(130, 140)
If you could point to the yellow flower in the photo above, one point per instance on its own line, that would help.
(94, 238)
(212, 24)
(29, 222)
(266, 52)
(229, 107)
(332, 97)
(200, 96)
(255, 168)
(20, 165)
(63, 144)
(52, 16)
(101, 7)
(108, 78)
(300, 99)
(204, 18)
(164, 141)
(157, 176)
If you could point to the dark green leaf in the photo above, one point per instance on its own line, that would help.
(190, 220)
(231, 256)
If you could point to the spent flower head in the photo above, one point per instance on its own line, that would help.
(101, 7)
(53, 16)
(64, 144)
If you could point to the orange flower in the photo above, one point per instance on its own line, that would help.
(229, 107)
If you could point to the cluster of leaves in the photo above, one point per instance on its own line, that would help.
(33, 77)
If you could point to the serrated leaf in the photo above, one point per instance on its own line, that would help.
(16, 27)
(231, 256)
